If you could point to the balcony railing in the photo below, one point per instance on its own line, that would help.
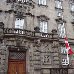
(23, 32)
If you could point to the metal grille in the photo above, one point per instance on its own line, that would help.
(59, 71)
(17, 55)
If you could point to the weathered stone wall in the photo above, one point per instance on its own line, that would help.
(32, 21)
(40, 56)
(3, 58)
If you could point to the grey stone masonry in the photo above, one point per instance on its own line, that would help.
(3, 58)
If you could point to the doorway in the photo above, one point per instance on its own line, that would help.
(17, 63)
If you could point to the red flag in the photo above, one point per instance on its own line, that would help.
(68, 47)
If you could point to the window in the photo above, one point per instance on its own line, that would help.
(58, 4)
(65, 62)
(43, 26)
(63, 50)
(61, 30)
(72, 7)
(42, 2)
(19, 23)
(59, 13)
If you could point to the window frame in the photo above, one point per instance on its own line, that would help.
(65, 61)
(72, 7)
(58, 4)
(40, 2)
(43, 21)
(61, 29)
(63, 50)
(19, 21)
(59, 12)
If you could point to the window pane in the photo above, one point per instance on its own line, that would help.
(65, 62)
(43, 2)
(61, 30)
(58, 4)
(19, 23)
(43, 26)
(63, 50)
(72, 7)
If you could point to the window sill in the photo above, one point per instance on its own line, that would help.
(42, 5)
(59, 8)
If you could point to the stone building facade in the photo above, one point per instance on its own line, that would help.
(32, 36)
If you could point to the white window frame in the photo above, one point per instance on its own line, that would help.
(72, 7)
(19, 24)
(43, 26)
(58, 4)
(61, 30)
(63, 50)
(65, 62)
(42, 2)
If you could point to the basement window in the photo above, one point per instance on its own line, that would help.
(72, 7)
